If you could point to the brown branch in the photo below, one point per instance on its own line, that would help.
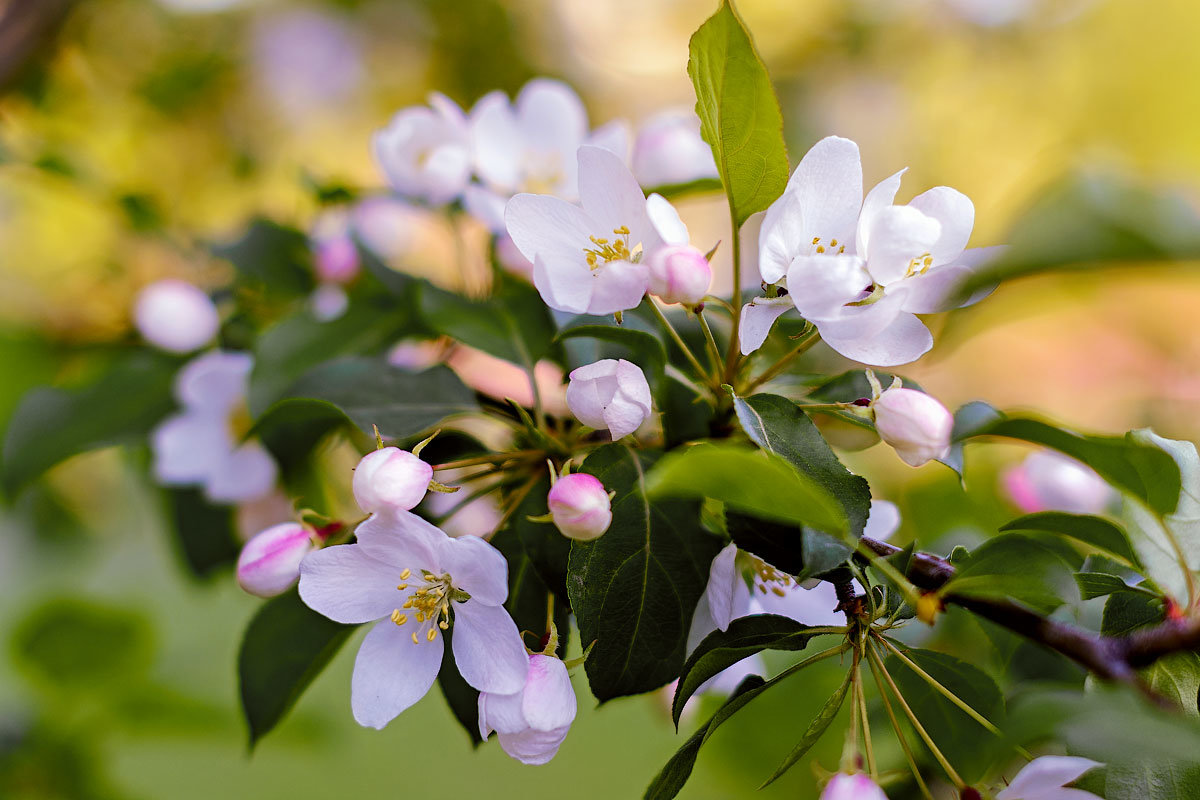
(1114, 658)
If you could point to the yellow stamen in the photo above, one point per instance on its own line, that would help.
(401, 587)
(404, 575)
(432, 634)
(415, 639)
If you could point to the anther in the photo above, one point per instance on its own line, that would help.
(415, 639)
(401, 587)
(404, 575)
(431, 635)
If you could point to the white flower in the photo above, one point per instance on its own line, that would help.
(1044, 779)
(425, 151)
(758, 316)
(669, 150)
(199, 446)
(417, 582)
(679, 274)
(580, 506)
(610, 394)
(270, 562)
(861, 270)
(390, 479)
(852, 787)
(586, 259)
(176, 316)
(532, 723)
(1050, 481)
(916, 425)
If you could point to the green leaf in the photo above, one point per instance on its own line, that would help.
(528, 594)
(645, 349)
(50, 425)
(1091, 220)
(1125, 612)
(1177, 677)
(964, 742)
(743, 638)
(753, 481)
(513, 324)
(1016, 567)
(461, 697)
(673, 191)
(548, 550)
(815, 729)
(291, 428)
(371, 391)
(285, 647)
(634, 589)
(669, 782)
(1101, 584)
(1151, 779)
(1140, 469)
(778, 426)
(968, 419)
(272, 258)
(1095, 531)
(739, 115)
(205, 533)
(797, 550)
(71, 644)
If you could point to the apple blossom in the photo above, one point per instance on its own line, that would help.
(269, 563)
(1045, 777)
(758, 316)
(417, 582)
(425, 151)
(679, 274)
(852, 787)
(916, 425)
(532, 723)
(587, 259)
(580, 506)
(1050, 481)
(612, 394)
(176, 316)
(198, 446)
(389, 480)
(668, 150)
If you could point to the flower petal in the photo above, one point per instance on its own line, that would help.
(189, 447)
(956, 214)
(402, 540)
(614, 136)
(214, 382)
(391, 673)
(617, 286)
(548, 701)
(782, 237)
(815, 606)
(551, 117)
(564, 286)
(533, 747)
(345, 584)
(488, 648)
(883, 520)
(501, 713)
(548, 227)
(903, 341)
(611, 196)
(486, 206)
(723, 580)
(758, 316)
(476, 567)
(898, 235)
(938, 289)
(821, 286)
(666, 221)
(828, 183)
(246, 474)
(496, 142)
(1045, 773)
(879, 198)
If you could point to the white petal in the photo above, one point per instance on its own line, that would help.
(883, 520)
(549, 700)
(879, 198)
(728, 679)
(898, 235)
(214, 382)
(821, 286)
(611, 196)
(531, 747)
(401, 539)
(807, 606)
(758, 316)
(903, 341)
(551, 117)
(702, 624)
(496, 142)
(486, 206)
(631, 382)
(782, 237)
(723, 578)
(828, 183)
(564, 286)
(937, 289)
(501, 713)
(612, 136)
(1046, 772)
(391, 673)
(956, 213)
(345, 584)
(488, 648)
(476, 567)
(666, 221)
(622, 417)
(189, 447)
(616, 286)
(246, 474)
(547, 227)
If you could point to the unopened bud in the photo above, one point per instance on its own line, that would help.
(679, 274)
(916, 425)
(852, 787)
(612, 394)
(176, 316)
(580, 507)
(270, 562)
(390, 479)
(336, 259)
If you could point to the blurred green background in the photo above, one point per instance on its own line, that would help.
(133, 131)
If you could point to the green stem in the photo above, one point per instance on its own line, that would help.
(461, 504)
(490, 458)
(539, 415)
(714, 352)
(868, 745)
(849, 762)
(514, 503)
(733, 355)
(810, 338)
(691, 357)
(908, 754)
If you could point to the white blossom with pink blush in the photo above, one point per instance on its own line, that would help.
(425, 151)
(269, 564)
(532, 723)
(390, 480)
(418, 583)
(1050, 481)
(1046, 778)
(610, 394)
(176, 316)
(852, 787)
(200, 445)
(668, 150)
(916, 425)
(580, 506)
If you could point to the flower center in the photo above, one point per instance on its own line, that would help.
(543, 173)
(430, 604)
(834, 247)
(607, 250)
(767, 578)
(919, 265)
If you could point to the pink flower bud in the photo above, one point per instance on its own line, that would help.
(176, 316)
(336, 259)
(913, 423)
(270, 562)
(852, 787)
(580, 506)
(1050, 481)
(532, 724)
(679, 274)
(390, 479)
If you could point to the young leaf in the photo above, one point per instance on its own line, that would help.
(1095, 531)
(739, 115)
(204, 532)
(815, 729)
(285, 647)
(1015, 567)
(634, 589)
(371, 391)
(743, 638)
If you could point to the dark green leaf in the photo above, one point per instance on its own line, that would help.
(739, 115)
(50, 425)
(285, 647)
(272, 258)
(795, 549)
(1125, 612)
(513, 324)
(645, 349)
(1151, 779)
(373, 392)
(1015, 567)
(205, 533)
(528, 594)
(814, 731)
(1095, 531)
(634, 589)
(756, 482)
(743, 638)
(967, 419)
(686, 416)
(291, 428)
(1099, 584)
(547, 549)
(461, 697)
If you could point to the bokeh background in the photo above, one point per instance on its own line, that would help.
(133, 132)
